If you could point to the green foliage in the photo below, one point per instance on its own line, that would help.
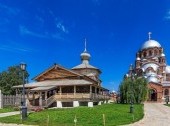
(134, 91)
(13, 76)
(115, 114)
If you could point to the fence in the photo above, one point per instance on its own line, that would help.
(9, 100)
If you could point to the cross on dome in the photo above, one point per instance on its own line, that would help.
(85, 50)
(149, 34)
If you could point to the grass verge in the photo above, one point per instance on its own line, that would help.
(115, 114)
(8, 109)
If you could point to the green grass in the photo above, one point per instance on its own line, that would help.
(7, 109)
(115, 114)
(167, 105)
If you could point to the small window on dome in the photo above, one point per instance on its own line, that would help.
(150, 53)
(156, 52)
(144, 54)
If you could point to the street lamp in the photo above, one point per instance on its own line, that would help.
(132, 78)
(23, 101)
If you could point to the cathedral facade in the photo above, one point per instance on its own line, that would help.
(151, 63)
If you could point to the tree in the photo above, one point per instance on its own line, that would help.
(133, 90)
(13, 76)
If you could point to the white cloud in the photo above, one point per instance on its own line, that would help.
(46, 35)
(25, 31)
(167, 16)
(14, 48)
(61, 27)
(9, 10)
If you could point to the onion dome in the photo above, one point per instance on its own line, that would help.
(150, 43)
(167, 70)
(85, 57)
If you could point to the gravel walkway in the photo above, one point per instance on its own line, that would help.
(156, 114)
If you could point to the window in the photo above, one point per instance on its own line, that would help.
(166, 92)
(144, 54)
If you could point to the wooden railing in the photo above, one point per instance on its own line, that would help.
(49, 101)
(81, 96)
(89, 96)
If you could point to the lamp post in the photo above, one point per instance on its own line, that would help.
(132, 78)
(23, 101)
(131, 102)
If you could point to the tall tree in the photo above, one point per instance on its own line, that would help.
(13, 76)
(133, 90)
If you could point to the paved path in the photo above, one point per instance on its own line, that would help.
(156, 114)
(10, 114)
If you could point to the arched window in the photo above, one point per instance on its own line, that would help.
(144, 54)
(166, 92)
(150, 53)
(156, 52)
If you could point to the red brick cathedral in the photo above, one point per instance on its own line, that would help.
(151, 63)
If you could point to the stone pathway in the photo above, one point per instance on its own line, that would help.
(156, 114)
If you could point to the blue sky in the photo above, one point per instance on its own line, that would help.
(43, 32)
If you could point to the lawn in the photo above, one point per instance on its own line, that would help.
(115, 114)
(167, 105)
(7, 109)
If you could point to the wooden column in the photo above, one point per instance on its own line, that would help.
(99, 90)
(74, 89)
(60, 90)
(95, 90)
(102, 91)
(46, 95)
(90, 89)
(40, 99)
(33, 99)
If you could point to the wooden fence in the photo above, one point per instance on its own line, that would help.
(11, 100)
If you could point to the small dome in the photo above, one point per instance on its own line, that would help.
(163, 55)
(150, 73)
(138, 58)
(127, 75)
(150, 44)
(85, 56)
(113, 91)
(152, 65)
(167, 69)
(152, 78)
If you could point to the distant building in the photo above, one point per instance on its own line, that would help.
(151, 63)
(61, 87)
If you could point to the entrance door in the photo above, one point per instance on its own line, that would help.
(153, 95)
